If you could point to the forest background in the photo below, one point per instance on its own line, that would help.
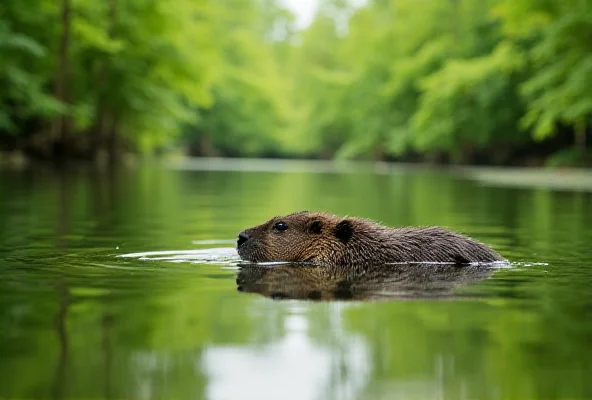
(451, 81)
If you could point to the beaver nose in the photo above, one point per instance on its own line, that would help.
(242, 238)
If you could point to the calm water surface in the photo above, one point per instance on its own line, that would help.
(79, 321)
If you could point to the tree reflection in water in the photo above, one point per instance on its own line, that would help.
(382, 282)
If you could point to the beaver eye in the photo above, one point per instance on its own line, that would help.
(280, 226)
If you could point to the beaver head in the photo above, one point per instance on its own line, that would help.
(298, 237)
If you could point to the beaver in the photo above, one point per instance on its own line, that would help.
(325, 239)
(382, 282)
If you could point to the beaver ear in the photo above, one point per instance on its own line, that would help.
(315, 226)
(344, 230)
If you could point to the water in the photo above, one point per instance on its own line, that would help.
(77, 320)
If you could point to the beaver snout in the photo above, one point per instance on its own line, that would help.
(242, 238)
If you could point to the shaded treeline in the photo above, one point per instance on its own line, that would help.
(464, 81)
(84, 78)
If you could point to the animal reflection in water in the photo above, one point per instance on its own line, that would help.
(384, 282)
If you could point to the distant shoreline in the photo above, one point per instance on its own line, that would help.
(579, 179)
(572, 178)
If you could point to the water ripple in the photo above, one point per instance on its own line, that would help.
(223, 256)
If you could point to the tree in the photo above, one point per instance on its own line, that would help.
(250, 108)
(556, 39)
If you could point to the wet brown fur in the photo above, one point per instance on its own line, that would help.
(326, 239)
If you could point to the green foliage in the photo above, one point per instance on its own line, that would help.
(154, 65)
(23, 73)
(381, 79)
(448, 76)
(466, 97)
(250, 108)
(133, 69)
(561, 55)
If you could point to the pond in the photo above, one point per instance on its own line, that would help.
(124, 284)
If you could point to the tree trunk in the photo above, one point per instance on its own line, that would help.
(101, 129)
(113, 139)
(59, 126)
(580, 136)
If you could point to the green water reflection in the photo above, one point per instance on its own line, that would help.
(78, 322)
